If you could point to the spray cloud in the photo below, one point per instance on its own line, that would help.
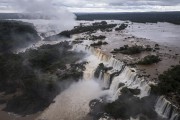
(60, 18)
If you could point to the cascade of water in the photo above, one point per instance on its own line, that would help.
(118, 79)
(175, 116)
(145, 89)
(79, 48)
(130, 80)
(101, 75)
(116, 64)
(165, 109)
(100, 54)
(93, 62)
(128, 77)
(106, 80)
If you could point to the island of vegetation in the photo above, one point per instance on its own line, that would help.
(130, 50)
(149, 59)
(91, 28)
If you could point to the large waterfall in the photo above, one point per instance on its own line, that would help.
(129, 77)
(125, 74)
(165, 109)
(73, 103)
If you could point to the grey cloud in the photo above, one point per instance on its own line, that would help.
(96, 4)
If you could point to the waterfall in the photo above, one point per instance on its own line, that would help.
(102, 56)
(106, 79)
(165, 109)
(118, 74)
(101, 75)
(175, 116)
(121, 74)
(116, 64)
(130, 80)
(93, 62)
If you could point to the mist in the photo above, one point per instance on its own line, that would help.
(49, 19)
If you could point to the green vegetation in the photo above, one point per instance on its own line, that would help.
(100, 68)
(100, 23)
(16, 34)
(121, 85)
(37, 75)
(135, 49)
(126, 90)
(127, 105)
(99, 43)
(121, 27)
(169, 84)
(103, 26)
(77, 42)
(80, 38)
(90, 28)
(49, 57)
(100, 37)
(156, 47)
(150, 59)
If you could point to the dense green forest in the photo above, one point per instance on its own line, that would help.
(149, 59)
(16, 34)
(169, 84)
(91, 28)
(131, 50)
(37, 75)
(141, 17)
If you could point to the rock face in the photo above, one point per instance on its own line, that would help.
(165, 109)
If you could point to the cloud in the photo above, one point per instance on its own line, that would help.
(61, 16)
(104, 5)
(144, 2)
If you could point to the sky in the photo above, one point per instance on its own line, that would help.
(95, 5)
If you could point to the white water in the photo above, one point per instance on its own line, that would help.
(127, 76)
(49, 27)
(165, 109)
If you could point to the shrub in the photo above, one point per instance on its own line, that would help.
(93, 37)
(98, 70)
(90, 28)
(150, 59)
(99, 43)
(135, 49)
(121, 27)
